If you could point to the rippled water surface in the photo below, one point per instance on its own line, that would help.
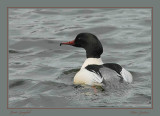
(41, 72)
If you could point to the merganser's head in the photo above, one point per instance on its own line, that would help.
(89, 42)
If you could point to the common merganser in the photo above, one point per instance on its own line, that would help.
(94, 71)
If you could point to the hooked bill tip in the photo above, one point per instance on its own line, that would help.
(61, 44)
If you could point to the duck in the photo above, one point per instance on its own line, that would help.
(94, 71)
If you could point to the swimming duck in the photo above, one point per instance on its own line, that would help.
(94, 71)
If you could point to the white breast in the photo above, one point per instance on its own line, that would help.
(86, 77)
(89, 61)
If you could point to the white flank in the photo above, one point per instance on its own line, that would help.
(86, 77)
(127, 76)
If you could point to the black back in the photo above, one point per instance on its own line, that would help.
(113, 66)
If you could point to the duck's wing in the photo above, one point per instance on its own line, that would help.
(122, 73)
(110, 72)
(114, 66)
(103, 74)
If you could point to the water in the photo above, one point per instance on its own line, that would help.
(41, 72)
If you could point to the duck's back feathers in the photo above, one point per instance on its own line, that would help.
(110, 71)
(104, 73)
(113, 66)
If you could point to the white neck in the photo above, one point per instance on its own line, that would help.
(89, 61)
